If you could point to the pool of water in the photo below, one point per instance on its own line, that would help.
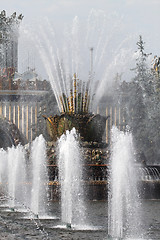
(20, 224)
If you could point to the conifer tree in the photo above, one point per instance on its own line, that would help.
(142, 71)
(142, 103)
(137, 91)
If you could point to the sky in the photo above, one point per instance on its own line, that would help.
(127, 20)
(142, 15)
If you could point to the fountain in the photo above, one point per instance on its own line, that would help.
(70, 177)
(3, 166)
(39, 183)
(123, 200)
(75, 102)
(16, 175)
(25, 181)
(75, 130)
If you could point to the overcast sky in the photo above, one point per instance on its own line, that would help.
(139, 14)
(138, 17)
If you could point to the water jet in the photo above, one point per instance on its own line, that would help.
(78, 161)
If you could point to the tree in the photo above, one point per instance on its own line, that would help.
(138, 92)
(143, 107)
(142, 71)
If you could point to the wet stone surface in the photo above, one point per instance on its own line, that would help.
(20, 225)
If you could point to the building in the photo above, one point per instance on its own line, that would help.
(21, 95)
(8, 47)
